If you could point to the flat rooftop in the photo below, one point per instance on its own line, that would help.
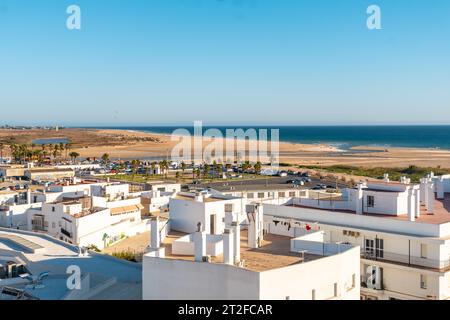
(57, 256)
(440, 215)
(274, 253)
(205, 199)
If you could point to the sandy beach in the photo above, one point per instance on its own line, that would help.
(125, 144)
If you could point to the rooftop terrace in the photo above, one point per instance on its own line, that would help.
(440, 215)
(274, 253)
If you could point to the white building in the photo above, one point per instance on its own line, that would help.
(402, 229)
(187, 209)
(87, 213)
(249, 264)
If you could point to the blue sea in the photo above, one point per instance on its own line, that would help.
(342, 137)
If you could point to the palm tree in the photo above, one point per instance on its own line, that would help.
(67, 146)
(257, 166)
(1, 151)
(183, 167)
(61, 149)
(164, 165)
(74, 156)
(206, 169)
(55, 152)
(105, 158)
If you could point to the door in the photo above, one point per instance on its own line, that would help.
(212, 221)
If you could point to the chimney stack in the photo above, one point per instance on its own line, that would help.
(199, 243)
(411, 205)
(155, 240)
(28, 195)
(236, 241)
(255, 228)
(440, 188)
(430, 198)
(386, 177)
(359, 199)
(417, 200)
(228, 254)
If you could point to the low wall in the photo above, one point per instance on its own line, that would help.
(184, 246)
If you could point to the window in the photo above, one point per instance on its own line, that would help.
(423, 281)
(370, 201)
(53, 209)
(250, 195)
(313, 294)
(229, 207)
(370, 247)
(353, 280)
(423, 250)
(335, 289)
(292, 194)
(281, 194)
(380, 248)
(261, 195)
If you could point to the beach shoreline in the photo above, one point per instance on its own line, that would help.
(132, 144)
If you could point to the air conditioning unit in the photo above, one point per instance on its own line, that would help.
(374, 277)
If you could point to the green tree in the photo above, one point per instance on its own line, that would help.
(257, 167)
(183, 167)
(105, 158)
(74, 155)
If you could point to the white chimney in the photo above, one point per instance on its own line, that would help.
(236, 241)
(417, 200)
(426, 190)
(107, 179)
(255, 228)
(199, 243)
(199, 198)
(440, 188)
(359, 199)
(386, 177)
(411, 205)
(228, 254)
(430, 198)
(155, 240)
(423, 182)
(28, 195)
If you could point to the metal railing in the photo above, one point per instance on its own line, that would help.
(66, 233)
(404, 259)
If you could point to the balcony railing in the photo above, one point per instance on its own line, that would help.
(403, 259)
(66, 233)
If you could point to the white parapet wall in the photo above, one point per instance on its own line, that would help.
(184, 246)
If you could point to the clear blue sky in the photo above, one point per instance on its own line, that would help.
(224, 61)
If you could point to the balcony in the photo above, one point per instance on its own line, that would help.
(66, 233)
(405, 260)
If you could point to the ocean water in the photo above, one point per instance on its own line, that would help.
(343, 137)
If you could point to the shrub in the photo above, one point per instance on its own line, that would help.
(125, 255)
